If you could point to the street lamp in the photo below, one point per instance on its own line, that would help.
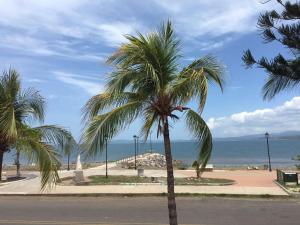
(106, 175)
(135, 139)
(267, 137)
(137, 145)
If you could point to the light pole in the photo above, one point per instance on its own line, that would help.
(135, 138)
(150, 142)
(106, 175)
(267, 137)
(137, 145)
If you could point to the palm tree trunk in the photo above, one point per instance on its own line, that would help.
(170, 176)
(1, 162)
(18, 164)
(68, 162)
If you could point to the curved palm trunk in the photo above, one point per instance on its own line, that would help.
(170, 176)
(1, 162)
(68, 162)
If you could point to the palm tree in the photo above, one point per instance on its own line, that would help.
(68, 149)
(197, 168)
(148, 82)
(17, 163)
(18, 108)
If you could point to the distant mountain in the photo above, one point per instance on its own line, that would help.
(286, 135)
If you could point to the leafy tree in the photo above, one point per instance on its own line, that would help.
(282, 27)
(40, 144)
(147, 82)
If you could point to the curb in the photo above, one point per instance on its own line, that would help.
(31, 176)
(264, 196)
(290, 193)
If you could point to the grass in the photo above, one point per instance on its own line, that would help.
(115, 180)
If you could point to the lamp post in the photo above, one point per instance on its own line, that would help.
(267, 137)
(106, 175)
(135, 139)
(137, 145)
(150, 142)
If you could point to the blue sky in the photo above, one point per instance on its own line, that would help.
(59, 47)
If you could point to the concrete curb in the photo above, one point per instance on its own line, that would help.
(290, 193)
(145, 195)
(31, 176)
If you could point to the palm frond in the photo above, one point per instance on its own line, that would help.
(193, 80)
(9, 88)
(8, 123)
(107, 100)
(30, 104)
(57, 136)
(30, 144)
(146, 63)
(150, 118)
(201, 132)
(105, 126)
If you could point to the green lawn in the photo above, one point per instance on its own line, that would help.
(114, 180)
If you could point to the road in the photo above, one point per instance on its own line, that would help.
(147, 211)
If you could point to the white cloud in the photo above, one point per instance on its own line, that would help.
(90, 87)
(281, 118)
(34, 80)
(214, 17)
(33, 46)
(60, 28)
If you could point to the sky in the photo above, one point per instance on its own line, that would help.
(60, 48)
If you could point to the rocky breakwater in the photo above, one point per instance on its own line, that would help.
(145, 161)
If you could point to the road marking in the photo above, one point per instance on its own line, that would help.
(74, 223)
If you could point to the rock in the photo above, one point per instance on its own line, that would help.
(147, 160)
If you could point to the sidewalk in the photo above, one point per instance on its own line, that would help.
(254, 183)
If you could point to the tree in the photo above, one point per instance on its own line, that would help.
(147, 82)
(17, 163)
(284, 28)
(196, 166)
(40, 144)
(68, 149)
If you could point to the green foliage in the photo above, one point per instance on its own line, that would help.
(282, 27)
(148, 82)
(40, 144)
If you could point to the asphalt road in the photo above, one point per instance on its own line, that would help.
(147, 210)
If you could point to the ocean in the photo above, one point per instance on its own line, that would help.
(225, 153)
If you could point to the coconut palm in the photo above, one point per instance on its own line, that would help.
(68, 149)
(147, 82)
(197, 168)
(18, 108)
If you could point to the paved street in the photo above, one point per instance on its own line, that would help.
(147, 210)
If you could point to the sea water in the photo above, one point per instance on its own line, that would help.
(225, 153)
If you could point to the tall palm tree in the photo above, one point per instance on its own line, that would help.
(18, 108)
(148, 82)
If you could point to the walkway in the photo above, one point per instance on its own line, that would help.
(247, 183)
